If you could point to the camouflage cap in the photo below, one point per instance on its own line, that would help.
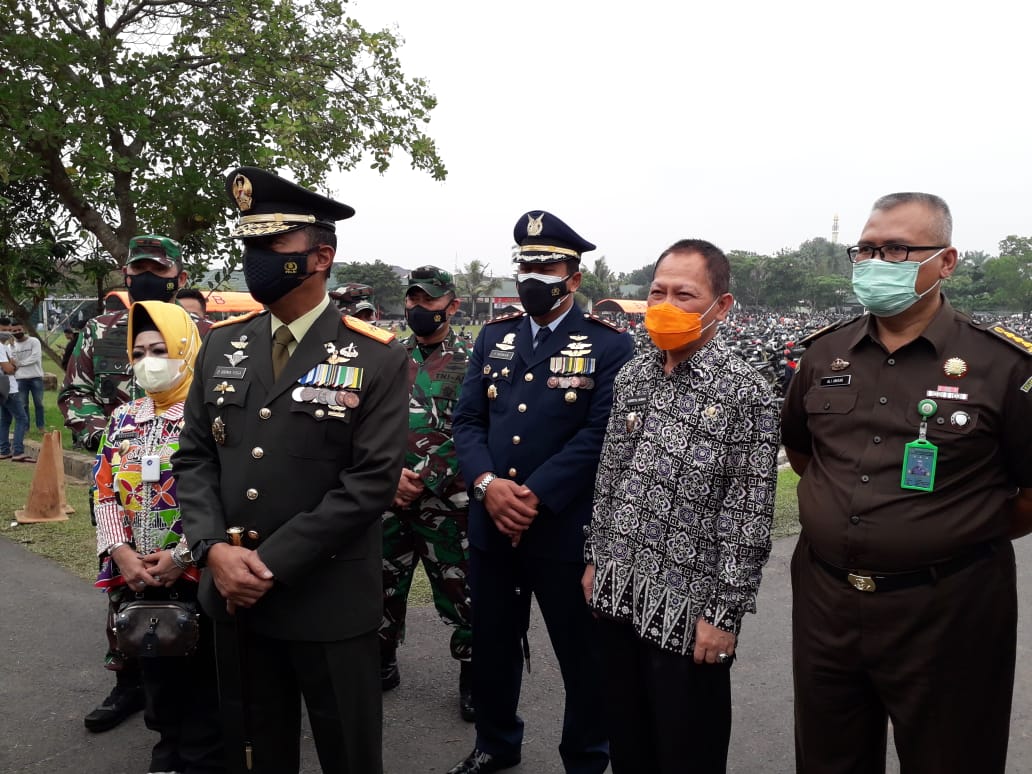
(432, 281)
(364, 306)
(157, 248)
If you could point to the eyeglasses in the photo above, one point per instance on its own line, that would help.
(891, 253)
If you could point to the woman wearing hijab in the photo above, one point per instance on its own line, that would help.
(140, 535)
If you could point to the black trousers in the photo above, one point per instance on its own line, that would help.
(936, 659)
(266, 678)
(500, 619)
(183, 707)
(666, 714)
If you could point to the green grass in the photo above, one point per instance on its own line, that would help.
(70, 543)
(786, 510)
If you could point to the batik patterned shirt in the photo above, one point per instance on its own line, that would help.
(684, 497)
(128, 509)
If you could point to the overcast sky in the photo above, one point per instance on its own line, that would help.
(750, 124)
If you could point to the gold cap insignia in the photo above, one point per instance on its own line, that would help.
(954, 367)
(534, 225)
(243, 194)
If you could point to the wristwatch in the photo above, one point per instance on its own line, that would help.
(480, 490)
(181, 556)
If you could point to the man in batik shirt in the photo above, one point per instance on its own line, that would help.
(680, 529)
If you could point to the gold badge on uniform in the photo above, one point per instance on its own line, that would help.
(954, 367)
(505, 371)
(218, 431)
(224, 387)
(838, 364)
(492, 392)
(487, 369)
(243, 193)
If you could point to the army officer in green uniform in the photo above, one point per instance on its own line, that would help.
(295, 433)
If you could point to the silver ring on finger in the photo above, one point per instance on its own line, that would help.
(157, 578)
(723, 658)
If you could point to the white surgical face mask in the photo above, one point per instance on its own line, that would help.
(159, 374)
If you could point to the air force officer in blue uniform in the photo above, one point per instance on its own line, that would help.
(528, 431)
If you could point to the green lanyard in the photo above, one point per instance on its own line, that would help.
(920, 456)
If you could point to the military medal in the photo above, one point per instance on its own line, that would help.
(570, 396)
(553, 381)
(218, 431)
(492, 392)
(920, 456)
(348, 399)
(954, 367)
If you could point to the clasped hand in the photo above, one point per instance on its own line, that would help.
(239, 574)
(512, 507)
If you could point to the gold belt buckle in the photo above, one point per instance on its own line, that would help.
(861, 582)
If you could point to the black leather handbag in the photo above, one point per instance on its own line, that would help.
(157, 627)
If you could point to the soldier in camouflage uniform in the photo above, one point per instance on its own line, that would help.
(429, 518)
(98, 380)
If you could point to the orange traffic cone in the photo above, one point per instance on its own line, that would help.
(47, 499)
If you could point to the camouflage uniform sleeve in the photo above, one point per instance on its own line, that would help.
(439, 469)
(77, 401)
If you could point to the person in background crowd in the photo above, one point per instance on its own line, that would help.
(364, 310)
(909, 428)
(98, 379)
(70, 336)
(528, 431)
(11, 408)
(430, 514)
(140, 535)
(295, 433)
(28, 354)
(194, 302)
(681, 528)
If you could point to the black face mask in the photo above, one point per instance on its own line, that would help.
(538, 296)
(271, 275)
(425, 322)
(148, 286)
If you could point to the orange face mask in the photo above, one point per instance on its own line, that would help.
(672, 328)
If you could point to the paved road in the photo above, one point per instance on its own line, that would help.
(51, 647)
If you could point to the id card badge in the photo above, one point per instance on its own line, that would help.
(150, 468)
(919, 465)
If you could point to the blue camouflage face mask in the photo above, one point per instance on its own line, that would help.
(887, 288)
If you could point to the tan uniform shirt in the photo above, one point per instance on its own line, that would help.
(852, 406)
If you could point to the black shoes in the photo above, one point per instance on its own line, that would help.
(480, 762)
(390, 676)
(123, 701)
(466, 709)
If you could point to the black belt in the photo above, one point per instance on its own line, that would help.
(864, 581)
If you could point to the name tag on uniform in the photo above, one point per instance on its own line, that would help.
(836, 381)
(229, 372)
(501, 354)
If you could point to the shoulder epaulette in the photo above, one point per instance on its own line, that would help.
(604, 322)
(504, 317)
(238, 319)
(1014, 339)
(807, 340)
(366, 329)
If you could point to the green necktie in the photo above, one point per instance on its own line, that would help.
(280, 349)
